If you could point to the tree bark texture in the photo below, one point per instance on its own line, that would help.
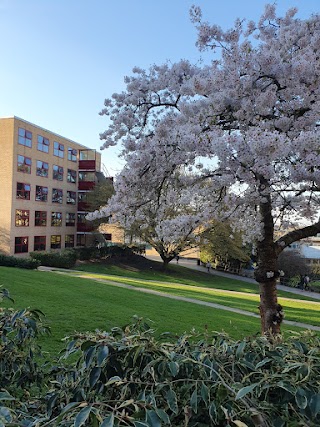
(267, 272)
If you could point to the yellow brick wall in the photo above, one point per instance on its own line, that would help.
(10, 176)
(116, 232)
(6, 185)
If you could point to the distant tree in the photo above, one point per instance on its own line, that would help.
(100, 194)
(293, 264)
(165, 216)
(255, 110)
(221, 245)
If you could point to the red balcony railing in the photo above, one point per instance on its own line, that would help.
(86, 185)
(83, 227)
(87, 165)
(82, 206)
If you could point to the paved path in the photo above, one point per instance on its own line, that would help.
(87, 276)
(192, 264)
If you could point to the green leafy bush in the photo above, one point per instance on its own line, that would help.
(85, 253)
(11, 261)
(128, 377)
(107, 251)
(18, 347)
(64, 259)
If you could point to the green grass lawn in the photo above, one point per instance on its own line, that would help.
(75, 304)
(296, 309)
(175, 274)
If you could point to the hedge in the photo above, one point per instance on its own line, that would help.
(130, 377)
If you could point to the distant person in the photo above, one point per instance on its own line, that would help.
(306, 281)
(208, 265)
(177, 258)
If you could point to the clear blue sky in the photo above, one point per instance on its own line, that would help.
(61, 58)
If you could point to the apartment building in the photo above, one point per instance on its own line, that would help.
(44, 180)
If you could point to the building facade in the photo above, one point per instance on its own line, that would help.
(44, 179)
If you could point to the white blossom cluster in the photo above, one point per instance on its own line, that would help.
(253, 114)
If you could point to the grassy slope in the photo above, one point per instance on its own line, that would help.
(77, 304)
(72, 304)
(152, 270)
(296, 309)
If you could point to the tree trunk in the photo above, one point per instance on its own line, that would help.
(267, 272)
(166, 262)
(270, 311)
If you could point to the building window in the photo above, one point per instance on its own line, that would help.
(41, 193)
(40, 219)
(81, 239)
(55, 242)
(43, 144)
(69, 241)
(58, 149)
(71, 197)
(56, 219)
(107, 236)
(72, 176)
(22, 218)
(57, 195)
(70, 219)
(23, 191)
(82, 218)
(42, 169)
(72, 154)
(20, 245)
(24, 164)
(87, 176)
(39, 243)
(25, 137)
(87, 155)
(57, 172)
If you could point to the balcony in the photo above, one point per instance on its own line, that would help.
(82, 206)
(87, 165)
(87, 160)
(84, 227)
(86, 185)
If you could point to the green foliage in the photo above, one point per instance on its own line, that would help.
(86, 253)
(223, 247)
(293, 264)
(18, 348)
(64, 259)
(11, 261)
(127, 377)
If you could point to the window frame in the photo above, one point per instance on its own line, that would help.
(23, 245)
(22, 218)
(43, 142)
(72, 176)
(58, 149)
(24, 137)
(70, 195)
(24, 167)
(70, 219)
(56, 219)
(55, 237)
(44, 196)
(40, 220)
(41, 244)
(39, 170)
(23, 192)
(57, 172)
(72, 154)
(67, 244)
(57, 196)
